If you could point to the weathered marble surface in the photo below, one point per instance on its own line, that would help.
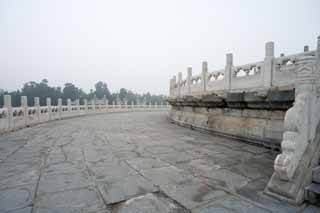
(131, 162)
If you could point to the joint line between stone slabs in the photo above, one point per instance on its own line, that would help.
(42, 167)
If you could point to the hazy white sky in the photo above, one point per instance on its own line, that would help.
(141, 44)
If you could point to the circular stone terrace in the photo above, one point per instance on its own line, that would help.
(132, 162)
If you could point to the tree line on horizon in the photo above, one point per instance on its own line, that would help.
(42, 90)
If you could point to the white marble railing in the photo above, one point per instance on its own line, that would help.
(12, 118)
(300, 146)
(271, 72)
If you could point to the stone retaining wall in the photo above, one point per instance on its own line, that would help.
(245, 116)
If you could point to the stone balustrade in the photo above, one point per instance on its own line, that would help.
(12, 118)
(271, 72)
(276, 101)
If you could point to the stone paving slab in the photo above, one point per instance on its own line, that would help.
(64, 181)
(192, 193)
(16, 197)
(23, 210)
(150, 203)
(125, 188)
(77, 200)
(119, 163)
(18, 174)
(229, 204)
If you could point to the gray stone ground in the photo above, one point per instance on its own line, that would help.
(132, 162)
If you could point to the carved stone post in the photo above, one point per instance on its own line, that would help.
(268, 64)
(48, 102)
(171, 88)
(174, 89)
(179, 83)
(204, 76)
(85, 102)
(228, 71)
(69, 106)
(8, 106)
(300, 144)
(189, 77)
(37, 106)
(24, 105)
(78, 106)
(306, 48)
(59, 108)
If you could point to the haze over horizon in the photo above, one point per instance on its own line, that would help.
(141, 44)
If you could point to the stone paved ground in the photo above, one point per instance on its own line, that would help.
(131, 162)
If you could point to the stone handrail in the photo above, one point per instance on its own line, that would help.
(271, 72)
(12, 118)
(300, 73)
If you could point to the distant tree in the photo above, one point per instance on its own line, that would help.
(102, 90)
(123, 93)
(42, 90)
(70, 91)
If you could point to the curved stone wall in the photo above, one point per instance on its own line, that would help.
(12, 118)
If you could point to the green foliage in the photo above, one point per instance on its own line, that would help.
(42, 90)
(102, 90)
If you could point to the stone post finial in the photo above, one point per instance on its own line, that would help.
(37, 105)
(8, 105)
(306, 48)
(204, 76)
(78, 105)
(7, 101)
(171, 88)
(189, 79)
(229, 59)
(268, 64)
(174, 81)
(204, 66)
(269, 49)
(228, 71)
(24, 101)
(24, 105)
(60, 107)
(48, 101)
(36, 101)
(179, 83)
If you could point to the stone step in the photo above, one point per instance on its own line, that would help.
(316, 174)
(312, 193)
